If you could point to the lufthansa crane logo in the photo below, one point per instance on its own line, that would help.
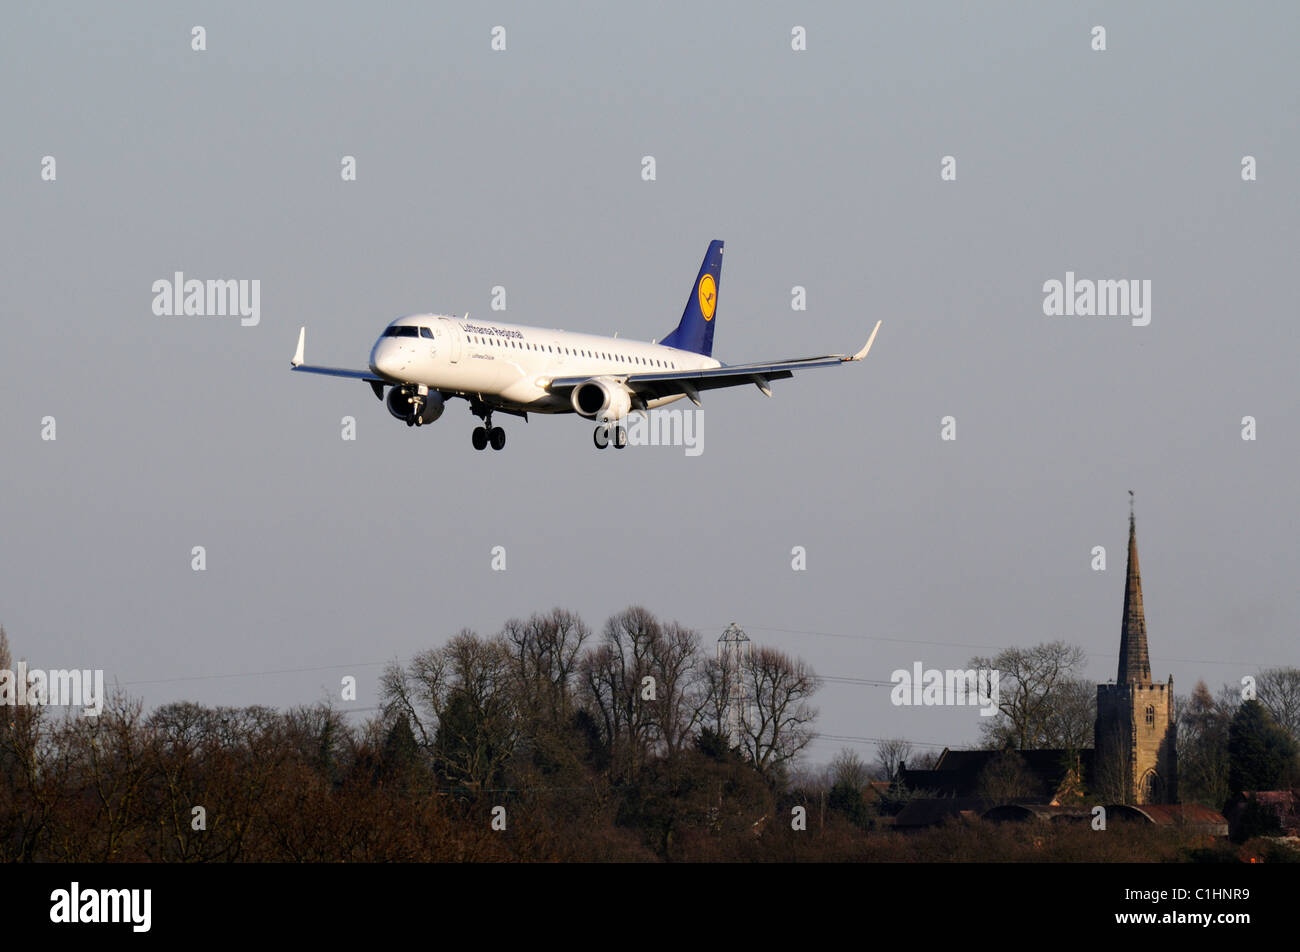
(708, 295)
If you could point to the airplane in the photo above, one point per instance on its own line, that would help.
(426, 359)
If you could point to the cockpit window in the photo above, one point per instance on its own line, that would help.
(426, 333)
(403, 331)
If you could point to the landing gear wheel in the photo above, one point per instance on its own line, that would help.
(600, 436)
(620, 437)
(497, 437)
(480, 438)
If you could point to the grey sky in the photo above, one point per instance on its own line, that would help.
(522, 168)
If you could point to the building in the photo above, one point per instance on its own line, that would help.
(1134, 738)
(1264, 813)
(1054, 775)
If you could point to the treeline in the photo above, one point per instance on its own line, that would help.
(548, 742)
(542, 742)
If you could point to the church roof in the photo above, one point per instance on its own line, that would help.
(957, 772)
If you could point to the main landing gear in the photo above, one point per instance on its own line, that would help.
(603, 437)
(483, 435)
(487, 433)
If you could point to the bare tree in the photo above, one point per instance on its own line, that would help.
(1278, 689)
(847, 767)
(1041, 704)
(681, 689)
(544, 652)
(890, 754)
(460, 702)
(33, 773)
(925, 760)
(646, 687)
(612, 678)
(778, 724)
(719, 682)
(1202, 741)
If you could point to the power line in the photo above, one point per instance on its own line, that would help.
(841, 679)
(960, 644)
(878, 740)
(255, 674)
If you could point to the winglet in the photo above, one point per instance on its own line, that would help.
(297, 355)
(863, 352)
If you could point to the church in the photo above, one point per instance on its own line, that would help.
(1134, 758)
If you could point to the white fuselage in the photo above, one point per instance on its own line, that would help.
(513, 363)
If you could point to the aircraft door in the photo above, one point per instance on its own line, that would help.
(453, 339)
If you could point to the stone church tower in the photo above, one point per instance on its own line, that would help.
(1135, 759)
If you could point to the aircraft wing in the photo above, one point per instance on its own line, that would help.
(376, 382)
(339, 372)
(297, 364)
(667, 383)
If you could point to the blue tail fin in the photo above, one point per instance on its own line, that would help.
(695, 332)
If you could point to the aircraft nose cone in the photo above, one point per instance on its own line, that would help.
(387, 360)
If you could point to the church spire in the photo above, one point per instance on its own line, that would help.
(1134, 662)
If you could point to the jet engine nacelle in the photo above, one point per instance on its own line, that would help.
(407, 403)
(601, 399)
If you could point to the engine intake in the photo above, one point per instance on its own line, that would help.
(408, 404)
(601, 399)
